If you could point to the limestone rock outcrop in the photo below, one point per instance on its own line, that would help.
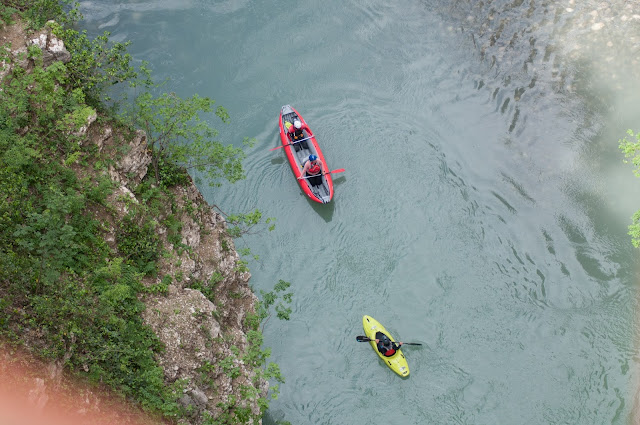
(15, 41)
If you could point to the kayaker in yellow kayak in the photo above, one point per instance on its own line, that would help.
(385, 345)
(377, 335)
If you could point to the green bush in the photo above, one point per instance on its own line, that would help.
(139, 243)
(6, 15)
(38, 12)
(171, 175)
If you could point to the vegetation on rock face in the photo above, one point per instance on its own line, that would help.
(176, 135)
(62, 290)
(37, 12)
(66, 293)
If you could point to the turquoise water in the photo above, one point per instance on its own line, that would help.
(483, 210)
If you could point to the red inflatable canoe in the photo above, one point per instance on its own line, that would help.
(298, 153)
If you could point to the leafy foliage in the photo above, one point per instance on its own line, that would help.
(170, 174)
(234, 411)
(277, 298)
(177, 135)
(6, 15)
(634, 229)
(97, 323)
(138, 242)
(95, 64)
(631, 149)
(38, 12)
(243, 223)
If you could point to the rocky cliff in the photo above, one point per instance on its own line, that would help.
(205, 337)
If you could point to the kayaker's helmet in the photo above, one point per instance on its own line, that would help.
(312, 157)
(297, 124)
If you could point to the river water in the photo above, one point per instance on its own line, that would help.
(484, 207)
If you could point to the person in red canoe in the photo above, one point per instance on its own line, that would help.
(296, 133)
(387, 347)
(314, 170)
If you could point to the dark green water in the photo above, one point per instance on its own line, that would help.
(483, 210)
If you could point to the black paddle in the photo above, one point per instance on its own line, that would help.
(361, 338)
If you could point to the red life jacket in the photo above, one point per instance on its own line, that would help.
(390, 353)
(314, 169)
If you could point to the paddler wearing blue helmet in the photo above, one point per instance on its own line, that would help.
(314, 170)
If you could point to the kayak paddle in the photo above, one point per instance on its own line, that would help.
(365, 339)
(289, 144)
(339, 170)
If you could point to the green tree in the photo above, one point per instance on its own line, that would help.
(96, 65)
(177, 136)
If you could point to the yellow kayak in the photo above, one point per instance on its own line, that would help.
(396, 362)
